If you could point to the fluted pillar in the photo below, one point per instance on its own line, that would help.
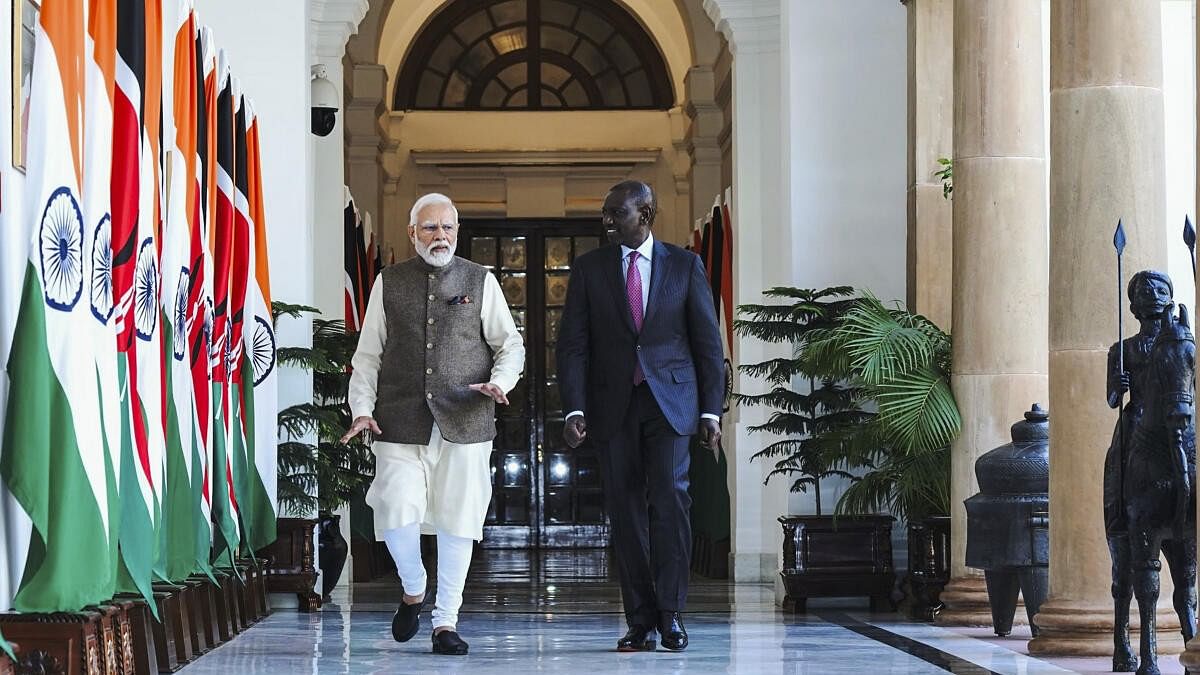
(930, 129)
(1107, 162)
(752, 28)
(999, 265)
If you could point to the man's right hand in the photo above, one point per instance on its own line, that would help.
(575, 431)
(360, 425)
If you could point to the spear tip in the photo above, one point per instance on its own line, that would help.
(1119, 238)
(1189, 233)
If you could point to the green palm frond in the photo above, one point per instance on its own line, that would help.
(923, 488)
(880, 346)
(919, 412)
(870, 493)
(824, 355)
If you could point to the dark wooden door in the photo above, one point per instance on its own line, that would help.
(544, 494)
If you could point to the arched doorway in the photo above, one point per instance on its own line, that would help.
(620, 96)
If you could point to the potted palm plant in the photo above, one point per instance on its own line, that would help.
(823, 556)
(900, 364)
(876, 408)
(321, 476)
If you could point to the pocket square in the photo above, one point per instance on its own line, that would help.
(459, 300)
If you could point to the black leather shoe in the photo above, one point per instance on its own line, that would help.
(637, 639)
(674, 635)
(406, 621)
(448, 643)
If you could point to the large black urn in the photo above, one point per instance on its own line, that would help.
(1008, 534)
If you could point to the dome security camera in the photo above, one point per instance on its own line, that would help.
(324, 101)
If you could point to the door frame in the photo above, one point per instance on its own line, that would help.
(538, 534)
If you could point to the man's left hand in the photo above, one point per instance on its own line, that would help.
(489, 389)
(710, 434)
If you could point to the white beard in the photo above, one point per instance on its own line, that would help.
(438, 258)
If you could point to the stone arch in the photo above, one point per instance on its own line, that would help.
(665, 23)
(530, 54)
(682, 30)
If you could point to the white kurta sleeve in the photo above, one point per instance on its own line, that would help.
(500, 331)
(364, 381)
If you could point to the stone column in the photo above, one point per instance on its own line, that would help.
(930, 137)
(1000, 271)
(365, 105)
(331, 23)
(763, 259)
(703, 138)
(1107, 159)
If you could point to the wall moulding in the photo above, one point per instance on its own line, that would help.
(552, 158)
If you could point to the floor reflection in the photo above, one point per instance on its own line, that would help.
(560, 612)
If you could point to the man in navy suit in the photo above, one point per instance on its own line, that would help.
(640, 370)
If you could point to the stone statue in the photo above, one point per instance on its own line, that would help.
(1149, 472)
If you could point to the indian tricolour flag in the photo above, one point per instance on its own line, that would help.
(260, 400)
(177, 539)
(151, 376)
(100, 73)
(53, 458)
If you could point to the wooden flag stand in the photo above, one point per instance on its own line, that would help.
(71, 643)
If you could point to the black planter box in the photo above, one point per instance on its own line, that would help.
(928, 566)
(291, 562)
(828, 557)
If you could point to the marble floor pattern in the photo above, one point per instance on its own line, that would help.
(561, 613)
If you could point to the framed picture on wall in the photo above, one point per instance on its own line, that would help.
(25, 16)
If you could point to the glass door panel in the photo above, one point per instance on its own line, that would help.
(544, 494)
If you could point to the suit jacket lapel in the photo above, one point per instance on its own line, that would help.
(617, 282)
(660, 265)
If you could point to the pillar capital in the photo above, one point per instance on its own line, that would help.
(749, 26)
(331, 23)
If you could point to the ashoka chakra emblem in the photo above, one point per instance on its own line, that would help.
(145, 290)
(180, 319)
(102, 279)
(60, 244)
(264, 349)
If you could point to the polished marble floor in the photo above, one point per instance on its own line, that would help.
(561, 613)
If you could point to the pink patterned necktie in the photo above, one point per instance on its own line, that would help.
(633, 291)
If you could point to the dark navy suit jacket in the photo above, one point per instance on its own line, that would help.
(679, 346)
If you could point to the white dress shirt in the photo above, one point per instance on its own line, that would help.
(499, 330)
(646, 268)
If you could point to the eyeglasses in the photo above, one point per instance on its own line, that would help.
(448, 228)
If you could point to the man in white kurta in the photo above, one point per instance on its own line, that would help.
(438, 350)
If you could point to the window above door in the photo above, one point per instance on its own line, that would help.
(533, 55)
